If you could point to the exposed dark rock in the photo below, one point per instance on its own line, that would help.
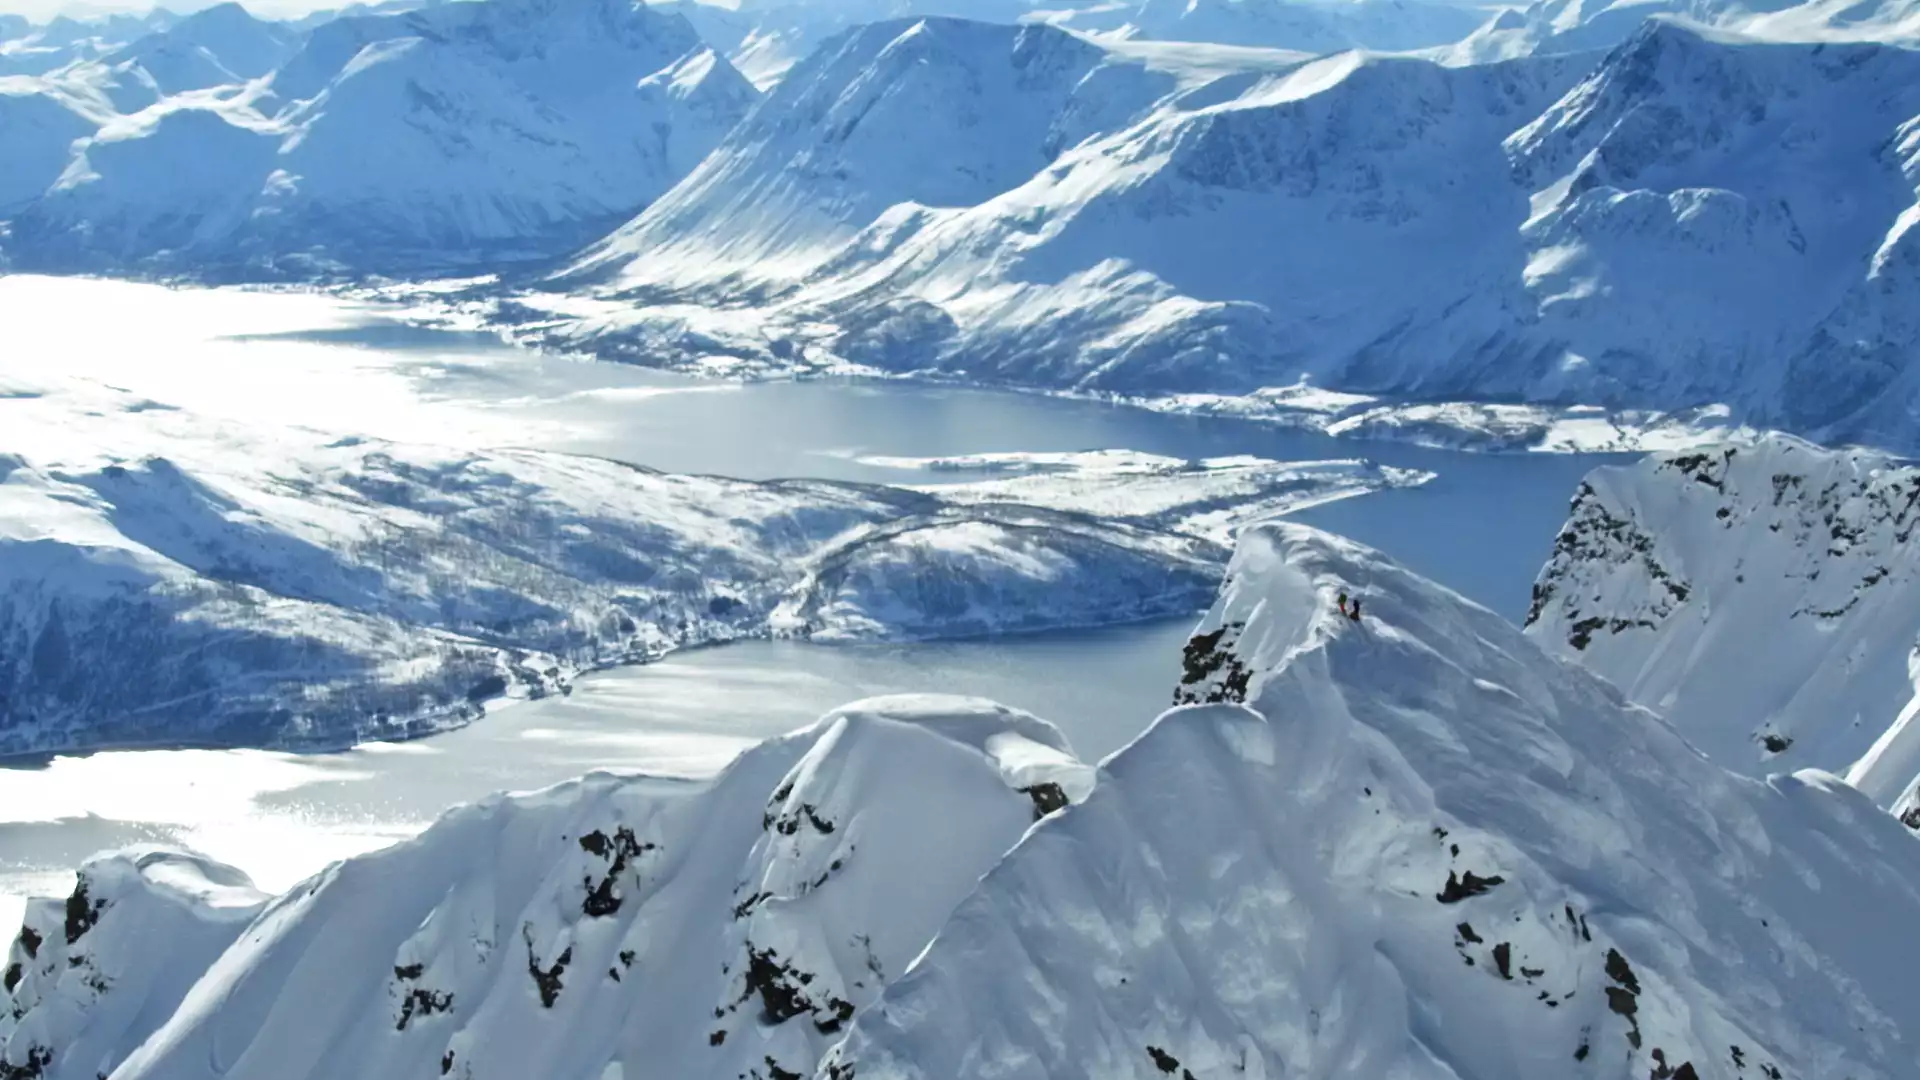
(11, 979)
(82, 912)
(38, 1058)
(783, 996)
(717, 1037)
(603, 897)
(547, 979)
(1503, 959)
(1047, 798)
(1465, 930)
(1459, 888)
(30, 941)
(421, 1001)
(1775, 743)
(745, 907)
(1624, 998)
(788, 824)
(446, 1063)
(1206, 656)
(1166, 1062)
(775, 1072)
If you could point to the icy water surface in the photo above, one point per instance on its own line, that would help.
(1483, 527)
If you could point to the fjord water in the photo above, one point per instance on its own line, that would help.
(1483, 526)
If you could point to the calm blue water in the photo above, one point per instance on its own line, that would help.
(1482, 527)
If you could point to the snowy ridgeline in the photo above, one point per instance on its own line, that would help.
(1764, 596)
(1650, 230)
(454, 136)
(1595, 229)
(167, 577)
(1415, 847)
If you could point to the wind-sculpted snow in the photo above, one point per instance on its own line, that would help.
(1414, 846)
(1651, 233)
(633, 926)
(452, 136)
(1762, 596)
(90, 977)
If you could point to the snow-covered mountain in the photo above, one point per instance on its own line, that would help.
(1765, 597)
(1565, 26)
(30, 49)
(1314, 26)
(765, 38)
(1414, 846)
(446, 137)
(98, 972)
(217, 46)
(627, 925)
(1652, 229)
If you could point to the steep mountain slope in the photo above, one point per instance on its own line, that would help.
(216, 46)
(1654, 229)
(1414, 846)
(1565, 26)
(1764, 597)
(1421, 849)
(428, 140)
(630, 926)
(1179, 214)
(766, 38)
(41, 128)
(1315, 26)
(97, 973)
(27, 49)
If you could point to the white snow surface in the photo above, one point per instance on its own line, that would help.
(627, 925)
(1651, 233)
(98, 972)
(1412, 847)
(1279, 888)
(1764, 595)
(413, 142)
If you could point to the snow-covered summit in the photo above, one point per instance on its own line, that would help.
(1410, 846)
(1649, 230)
(1764, 596)
(1415, 846)
(447, 136)
(626, 926)
(95, 974)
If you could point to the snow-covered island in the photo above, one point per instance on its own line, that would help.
(169, 577)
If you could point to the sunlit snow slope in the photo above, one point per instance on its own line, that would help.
(1415, 846)
(1763, 596)
(455, 136)
(1691, 219)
